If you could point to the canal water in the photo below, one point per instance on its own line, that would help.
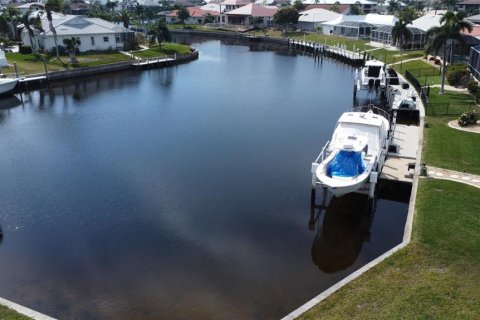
(181, 193)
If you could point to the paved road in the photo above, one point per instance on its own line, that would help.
(467, 178)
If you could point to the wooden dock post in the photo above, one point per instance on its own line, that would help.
(46, 69)
(16, 69)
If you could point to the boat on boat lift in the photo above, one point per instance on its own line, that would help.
(373, 76)
(352, 160)
(7, 85)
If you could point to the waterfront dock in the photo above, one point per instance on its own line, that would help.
(401, 159)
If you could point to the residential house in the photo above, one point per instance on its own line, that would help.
(94, 33)
(429, 20)
(357, 26)
(365, 6)
(340, 8)
(384, 35)
(30, 7)
(197, 16)
(468, 5)
(312, 19)
(245, 14)
(78, 7)
(229, 5)
(474, 62)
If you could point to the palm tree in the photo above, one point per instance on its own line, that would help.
(124, 17)
(72, 45)
(52, 29)
(450, 4)
(393, 5)
(31, 33)
(160, 32)
(183, 14)
(444, 35)
(401, 34)
(12, 17)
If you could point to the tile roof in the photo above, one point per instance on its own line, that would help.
(254, 10)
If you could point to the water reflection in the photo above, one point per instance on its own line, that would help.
(346, 225)
(9, 102)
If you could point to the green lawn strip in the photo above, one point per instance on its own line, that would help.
(449, 103)
(389, 56)
(449, 148)
(166, 49)
(30, 64)
(9, 314)
(426, 73)
(435, 277)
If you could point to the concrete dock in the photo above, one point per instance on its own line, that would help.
(402, 155)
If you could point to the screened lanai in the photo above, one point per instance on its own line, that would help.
(384, 34)
(353, 29)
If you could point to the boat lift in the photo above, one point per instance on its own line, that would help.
(369, 187)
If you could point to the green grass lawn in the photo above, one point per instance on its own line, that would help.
(449, 148)
(166, 49)
(8, 314)
(426, 73)
(30, 64)
(435, 277)
(449, 103)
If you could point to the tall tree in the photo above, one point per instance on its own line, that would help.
(393, 6)
(299, 5)
(286, 17)
(53, 30)
(55, 5)
(71, 45)
(450, 4)
(31, 34)
(443, 36)
(183, 14)
(160, 33)
(401, 34)
(12, 16)
(408, 14)
(355, 8)
(125, 18)
(111, 5)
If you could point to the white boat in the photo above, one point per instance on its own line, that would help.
(7, 85)
(355, 155)
(372, 76)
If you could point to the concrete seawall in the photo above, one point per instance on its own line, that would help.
(39, 80)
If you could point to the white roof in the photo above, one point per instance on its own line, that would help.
(71, 25)
(372, 18)
(317, 15)
(429, 20)
(348, 2)
(211, 7)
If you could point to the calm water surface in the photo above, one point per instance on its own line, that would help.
(180, 193)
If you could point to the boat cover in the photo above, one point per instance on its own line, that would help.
(346, 164)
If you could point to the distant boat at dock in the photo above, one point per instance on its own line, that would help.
(372, 76)
(352, 160)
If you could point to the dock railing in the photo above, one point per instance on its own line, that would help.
(322, 155)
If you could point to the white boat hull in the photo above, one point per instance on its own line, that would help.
(7, 85)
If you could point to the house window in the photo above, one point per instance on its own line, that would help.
(105, 39)
(117, 39)
(92, 39)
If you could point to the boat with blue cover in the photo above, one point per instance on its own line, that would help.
(351, 161)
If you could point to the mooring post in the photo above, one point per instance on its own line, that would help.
(16, 69)
(46, 69)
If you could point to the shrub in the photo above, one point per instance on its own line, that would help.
(468, 119)
(473, 87)
(457, 74)
(61, 51)
(25, 49)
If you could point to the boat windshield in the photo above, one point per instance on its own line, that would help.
(346, 164)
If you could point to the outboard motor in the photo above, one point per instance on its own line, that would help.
(370, 84)
(377, 84)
